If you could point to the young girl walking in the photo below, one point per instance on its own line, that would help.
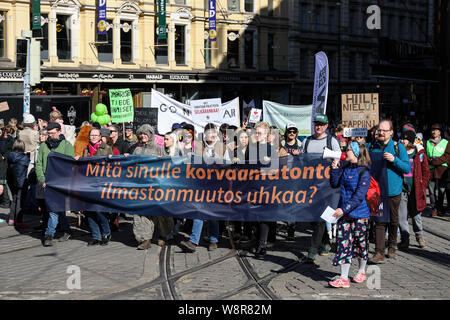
(352, 227)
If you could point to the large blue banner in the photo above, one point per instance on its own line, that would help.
(298, 189)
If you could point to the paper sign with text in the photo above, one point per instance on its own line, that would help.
(355, 132)
(255, 115)
(121, 105)
(360, 110)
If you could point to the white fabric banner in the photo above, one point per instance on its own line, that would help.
(320, 94)
(280, 115)
(171, 111)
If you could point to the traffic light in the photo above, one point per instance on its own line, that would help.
(21, 53)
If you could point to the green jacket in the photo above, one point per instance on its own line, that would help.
(65, 147)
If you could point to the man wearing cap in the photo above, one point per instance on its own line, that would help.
(54, 143)
(130, 137)
(29, 135)
(291, 143)
(315, 144)
(438, 153)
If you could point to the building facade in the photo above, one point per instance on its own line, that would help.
(249, 59)
(396, 61)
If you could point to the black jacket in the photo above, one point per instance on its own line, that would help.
(17, 169)
(3, 159)
(122, 146)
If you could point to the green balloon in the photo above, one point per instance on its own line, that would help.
(100, 109)
(108, 118)
(94, 117)
(103, 119)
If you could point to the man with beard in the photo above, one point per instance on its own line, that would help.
(54, 143)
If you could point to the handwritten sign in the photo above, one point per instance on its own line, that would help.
(360, 110)
(145, 115)
(255, 115)
(121, 105)
(355, 132)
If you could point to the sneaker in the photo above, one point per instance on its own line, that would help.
(212, 246)
(360, 277)
(93, 242)
(260, 253)
(330, 235)
(339, 282)
(421, 242)
(435, 213)
(64, 237)
(392, 253)
(10, 222)
(48, 241)
(145, 245)
(378, 258)
(188, 246)
(105, 240)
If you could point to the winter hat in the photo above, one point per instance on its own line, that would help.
(146, 129)
(409, 135)
(28, 119)
(408, 127)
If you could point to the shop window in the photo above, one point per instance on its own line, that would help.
(249, 5)
(233, 49)
(63, 37)
(125, 40)
(270, 51)
(180, 45)
(2, 34)
(105, 47)
(249, 49)
(161, 49)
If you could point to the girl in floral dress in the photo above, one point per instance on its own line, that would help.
(352, 228)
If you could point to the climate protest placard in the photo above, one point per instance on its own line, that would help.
(280, 115)
(360, 110)
(121, 105)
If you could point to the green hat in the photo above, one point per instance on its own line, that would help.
(320, 117)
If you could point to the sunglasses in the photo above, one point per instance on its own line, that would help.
(292, 131)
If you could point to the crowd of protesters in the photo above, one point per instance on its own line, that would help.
(414, 166)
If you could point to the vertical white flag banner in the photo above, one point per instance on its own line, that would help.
(320, 86)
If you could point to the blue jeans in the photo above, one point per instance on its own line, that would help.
(54, 218)
(96, 221)
(197, 231)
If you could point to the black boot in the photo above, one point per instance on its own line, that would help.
(48, 241)
(260, 251)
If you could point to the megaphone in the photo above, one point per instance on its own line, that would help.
(330, 154)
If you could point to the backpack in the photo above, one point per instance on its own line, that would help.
(329, 144)
(373, 196)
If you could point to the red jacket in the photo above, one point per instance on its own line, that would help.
(421, 176)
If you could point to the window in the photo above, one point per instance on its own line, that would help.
(249, 5)
(332, 20)
(180, 44)
(401, 27)
(366, 66)
(352, 66)
(181, 2)
(249, 48)
(305, 15)
(352, 21)
(105, 50)
(2, 34)
(63, 37)
(303, 64)
(270, 51)
(318, 19)
(233, 49)
(270, 7)
(333, 65)
(44, 40)
(233, 5)
(207, 51)
(125, 40)
(161, 49)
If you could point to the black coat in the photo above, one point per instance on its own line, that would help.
(17, 169)
(122, 146)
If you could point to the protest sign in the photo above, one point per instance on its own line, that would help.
(360, 110)
(296, 190)
(4, 106)
(230, 113)
(255, 115)
(121, 102)
(159, 140)
(206, 110)
(280, 115)
(355, 132)
(145, 116)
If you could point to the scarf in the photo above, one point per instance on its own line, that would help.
(93, 148)
(53, 143)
